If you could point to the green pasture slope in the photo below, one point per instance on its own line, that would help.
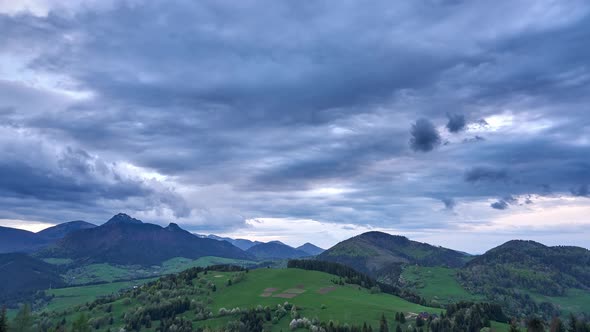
(342, 303)
(437, 284)
(108, 273)
(345, 304)
(69, 297)
(575, 301)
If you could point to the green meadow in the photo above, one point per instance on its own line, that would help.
(437, 284)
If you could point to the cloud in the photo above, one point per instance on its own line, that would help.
(581, 191)
(500, 205)
(478, 174)
(205, 116)
(449, 203)
(456, 122)
(425, 136)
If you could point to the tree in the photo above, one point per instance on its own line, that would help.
(81, 324)
(419, 321)
(3, 320)
(514, 326)
(398, 328)
(535, 324)
(383, 324)
(556, 325)
(23, 322)
(573, 322)
(402, 318)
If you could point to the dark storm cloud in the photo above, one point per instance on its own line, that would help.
(456, 122)
(425, 136)
(240, 118)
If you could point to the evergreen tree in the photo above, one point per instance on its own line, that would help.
(535, 324)
(383, 324)
(573, 322)
(3, 320)
(23, 322)
(398, 328)
(419, 321)
(556, 325)
(402, 317)
(81, 324)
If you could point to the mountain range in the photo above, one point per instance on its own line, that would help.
(125, 240)
(17, 240)
(505, 274)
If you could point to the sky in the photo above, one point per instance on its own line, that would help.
(459, 123)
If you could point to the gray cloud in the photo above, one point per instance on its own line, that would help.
(449, 203)
(500, 205)
(425, 137)
(581, 191)
(456, 122)
(202, 113)
(477, 174)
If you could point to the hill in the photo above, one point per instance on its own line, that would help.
(518, 273)
(21, 276)
(18, 240)
(275, 250)
(126, 241)
(311, 249)
(532, 266)
(381, 255)
(58, 232)
(235, 300)
(243, 244)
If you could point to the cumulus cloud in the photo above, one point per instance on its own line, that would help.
(456, 122)
(425, 136)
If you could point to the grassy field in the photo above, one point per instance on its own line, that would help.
(58, 261)
(313, 292)
(178, 264)
(576, 301)
(437, 284)
(345, 304)
(69, 297)
(93, 273)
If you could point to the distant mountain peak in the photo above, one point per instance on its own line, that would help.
(173, 227)
(311, 249)
(122, 218)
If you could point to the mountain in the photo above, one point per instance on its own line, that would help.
(18, 240)
(58, 232)
(311, 249)
(21, 276)
(240, 243)
(380, 254)
(126, 241)
(122, 218)
(529, 265)
(275, 250)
